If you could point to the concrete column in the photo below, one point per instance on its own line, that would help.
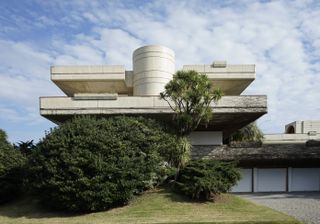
(153, 68)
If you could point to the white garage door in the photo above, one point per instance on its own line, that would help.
(304, 179)
(245, 183)
(270, 180)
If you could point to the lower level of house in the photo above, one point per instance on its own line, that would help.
(269, 167)
(281, 179)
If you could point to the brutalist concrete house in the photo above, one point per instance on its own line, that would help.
(108, 90)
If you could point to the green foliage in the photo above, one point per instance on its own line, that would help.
(204, 179)
(3, 139)
(26, 147)
(189, 95)
(91, 164)
(11, 170)
(184, 150)
(249, 133)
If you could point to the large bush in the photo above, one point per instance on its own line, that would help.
(91, 164)
(205, 179)
(11, 170)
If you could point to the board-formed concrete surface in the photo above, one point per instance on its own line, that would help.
(304, 206)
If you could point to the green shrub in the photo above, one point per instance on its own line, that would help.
(91, 164)
(249, 133)
(25, 148)
(11, 170)
(204, 179)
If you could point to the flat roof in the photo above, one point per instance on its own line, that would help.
(90, 79)
(231, 79)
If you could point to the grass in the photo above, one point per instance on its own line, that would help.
(159, 206)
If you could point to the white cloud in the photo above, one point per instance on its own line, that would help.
(281, 37)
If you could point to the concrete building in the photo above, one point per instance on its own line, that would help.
(284, 163)
(109, 90)
(296, 132)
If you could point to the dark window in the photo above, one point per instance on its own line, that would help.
(290, 130)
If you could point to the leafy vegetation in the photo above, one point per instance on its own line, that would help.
(11, 170)
(91, 164)
(189, 94)
(249, 133)
(25, 147)
(205, 179)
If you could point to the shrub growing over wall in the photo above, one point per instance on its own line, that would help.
(249, 133)
(91, 164)
(205, 179)
(11, 170)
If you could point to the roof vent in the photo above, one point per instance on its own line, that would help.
(219, 64)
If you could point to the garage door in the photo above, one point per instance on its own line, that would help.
(270, 180)
(245, 184)
(304, 179)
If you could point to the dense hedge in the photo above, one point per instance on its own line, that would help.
(204, 179)
(11, 170)
(91, 164)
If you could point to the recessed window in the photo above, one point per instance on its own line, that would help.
(290, 130)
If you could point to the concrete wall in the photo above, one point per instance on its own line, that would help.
(69, 105)
(153, 68)
(206, 138)
(304, 127)
(289, 138)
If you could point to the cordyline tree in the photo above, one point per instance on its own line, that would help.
(189, 94)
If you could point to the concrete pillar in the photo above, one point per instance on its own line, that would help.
(153, 68)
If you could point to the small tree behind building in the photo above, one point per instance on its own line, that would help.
(249, 133)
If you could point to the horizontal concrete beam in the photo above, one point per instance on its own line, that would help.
(230, 114)
(243, 71)
(90, 79)
(288, 138)
(56, 105)
(232, 79)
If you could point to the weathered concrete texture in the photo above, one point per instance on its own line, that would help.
(303, 127)
(281, 154)
(231, 112)
(232, 79)
(90, 79)
(289, 138)
(228, 104)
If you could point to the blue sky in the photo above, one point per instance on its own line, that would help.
(281, 37)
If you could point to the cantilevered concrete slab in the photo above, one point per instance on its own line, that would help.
(107, 90)
(231, 113)
(232, 79)
(91, 79)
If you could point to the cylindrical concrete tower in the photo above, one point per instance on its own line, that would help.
(153, 68)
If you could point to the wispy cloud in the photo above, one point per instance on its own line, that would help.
(281, 37)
